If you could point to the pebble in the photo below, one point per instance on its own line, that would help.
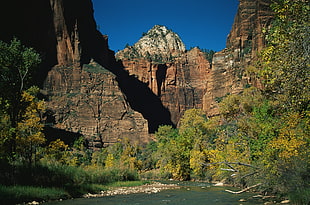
(149, 189)
(33, 203)
(219, 184)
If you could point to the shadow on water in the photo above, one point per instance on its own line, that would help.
(192, 193)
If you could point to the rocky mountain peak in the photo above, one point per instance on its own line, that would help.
(159, 44)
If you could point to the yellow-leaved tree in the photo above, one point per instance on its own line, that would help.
(29, 134)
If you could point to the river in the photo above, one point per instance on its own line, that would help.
(190, 193)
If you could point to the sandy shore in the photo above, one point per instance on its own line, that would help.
(155, 187)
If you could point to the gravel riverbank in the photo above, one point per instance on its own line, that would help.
(154, 187)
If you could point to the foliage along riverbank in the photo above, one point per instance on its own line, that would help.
(31, 194)
(260, 137)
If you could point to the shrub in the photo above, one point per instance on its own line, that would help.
(18, 194)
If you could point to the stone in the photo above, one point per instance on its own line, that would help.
(33, 203)
(219, 184)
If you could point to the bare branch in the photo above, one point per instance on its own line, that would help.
(230, 163)
(249, 175)
(243, 190)
(230, 170)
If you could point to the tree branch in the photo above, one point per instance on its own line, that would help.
(230, 163)
(243, 190)
(249, 175)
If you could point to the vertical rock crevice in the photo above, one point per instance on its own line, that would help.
(160, 78)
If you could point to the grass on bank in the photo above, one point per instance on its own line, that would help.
(45, 182)
(18, 193)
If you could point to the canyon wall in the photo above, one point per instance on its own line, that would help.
(83, 97)
(180, 84)
(185, 79)
(244, 42)
(89, 93)
(62, 31)
(88, 101)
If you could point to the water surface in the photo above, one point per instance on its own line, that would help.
(190, 193)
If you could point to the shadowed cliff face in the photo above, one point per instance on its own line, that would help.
(101, 105)
(180, 84)
(142, 99)
(108, 102)
(62, 31)
(32, 23)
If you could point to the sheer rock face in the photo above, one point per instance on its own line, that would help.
(62, 31)
(83, 98)
(176, 76)
(161, 80)
(89, 101)
(246, 35)
(244, 42)
(184, 79)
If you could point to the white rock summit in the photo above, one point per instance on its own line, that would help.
(158, 44)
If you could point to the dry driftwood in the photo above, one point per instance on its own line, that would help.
(243, 190)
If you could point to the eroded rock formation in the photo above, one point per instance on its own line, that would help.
(178, 77)
(83, 98)
(89, 101)
(89, 93)
(244, 41)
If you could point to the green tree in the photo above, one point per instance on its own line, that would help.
(208, 54)
(285, 71)
(17, 66)
(184, 150)
(286, 59)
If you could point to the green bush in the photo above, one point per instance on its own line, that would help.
(300, 196)
(18, 194)
(104, 176)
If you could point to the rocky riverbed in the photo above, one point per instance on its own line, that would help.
(154, 187)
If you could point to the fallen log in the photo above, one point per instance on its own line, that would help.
(243, 190)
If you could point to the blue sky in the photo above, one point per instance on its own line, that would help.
(203, 23)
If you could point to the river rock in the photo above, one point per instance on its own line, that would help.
(219, 184)
(33, 203)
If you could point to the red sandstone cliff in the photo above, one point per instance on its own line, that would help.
(187, 80)
(244, 42)
(83, 98)
(105, 103)
(180, 84)
(89, 101)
